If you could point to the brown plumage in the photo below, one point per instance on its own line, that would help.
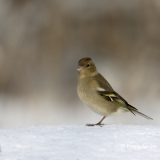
(95, 91)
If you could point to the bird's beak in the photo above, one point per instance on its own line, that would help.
(79, 68)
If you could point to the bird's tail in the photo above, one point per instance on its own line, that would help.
(134, 110)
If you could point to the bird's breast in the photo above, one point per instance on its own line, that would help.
(95, 102)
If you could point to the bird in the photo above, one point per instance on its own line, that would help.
(96, 92)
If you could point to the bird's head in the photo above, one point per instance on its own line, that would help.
(86, 67)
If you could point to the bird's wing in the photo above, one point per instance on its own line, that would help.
(106, 91)
(103, 83)
(116, 98)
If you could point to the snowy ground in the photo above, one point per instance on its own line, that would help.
(78, 142)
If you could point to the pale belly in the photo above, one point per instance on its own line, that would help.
(98, 104)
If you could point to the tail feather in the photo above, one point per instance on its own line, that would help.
(143, 115)
(134, 110)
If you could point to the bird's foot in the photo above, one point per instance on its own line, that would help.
(91, 125)
(97, 124)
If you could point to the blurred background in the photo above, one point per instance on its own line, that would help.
(42, 41)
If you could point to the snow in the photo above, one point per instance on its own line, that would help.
(79, 142)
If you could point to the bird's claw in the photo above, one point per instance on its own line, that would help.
(91, 125)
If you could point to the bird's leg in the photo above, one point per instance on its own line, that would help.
(99, 123)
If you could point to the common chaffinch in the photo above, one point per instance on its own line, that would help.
(95, 91)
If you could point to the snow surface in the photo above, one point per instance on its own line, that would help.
(79, 142)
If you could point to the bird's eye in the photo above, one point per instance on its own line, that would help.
(88, 65)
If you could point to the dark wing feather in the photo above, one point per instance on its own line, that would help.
(125, 101)
(109, 94)
(115, 97)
